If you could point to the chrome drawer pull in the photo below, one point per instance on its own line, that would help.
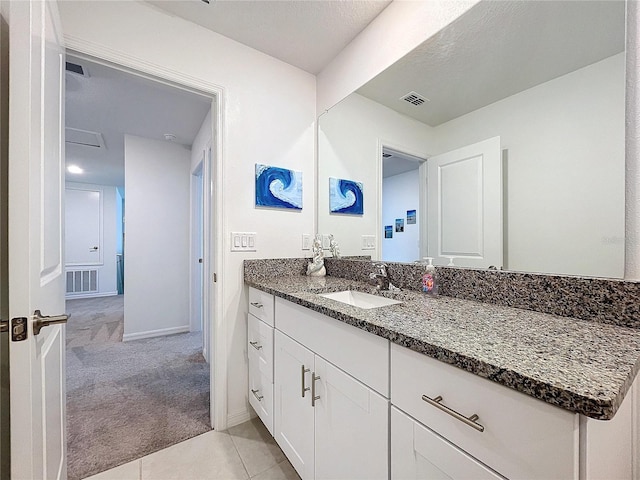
(304, 389)
(471, 421)
(255, 345)
(257, 304)
(255, 394)
(313, 389)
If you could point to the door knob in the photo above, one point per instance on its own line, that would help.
(93, 249)
(41, 321)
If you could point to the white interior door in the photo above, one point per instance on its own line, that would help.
(36, 260)
(83, 227)
(464, 196)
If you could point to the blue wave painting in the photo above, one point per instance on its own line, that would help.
(345, 196)
(278, 187)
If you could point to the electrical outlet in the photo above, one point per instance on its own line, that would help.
(306, 241)
(325, 241)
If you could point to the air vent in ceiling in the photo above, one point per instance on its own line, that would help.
(414, 98)
(386, 155)
(77, 69)
(85, 138)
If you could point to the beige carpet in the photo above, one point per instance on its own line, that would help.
(126, 400)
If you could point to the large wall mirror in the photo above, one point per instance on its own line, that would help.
(499, 142)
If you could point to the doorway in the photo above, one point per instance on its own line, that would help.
(163, 348)
(401, 210)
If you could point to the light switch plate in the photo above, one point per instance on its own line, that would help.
(243, 241)
(368, 242)
(306, 241)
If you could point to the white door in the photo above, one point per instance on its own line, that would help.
(464, 196)
(83, 223)
(417, 453)
(352, 422)
(293, 415)
(36, 260)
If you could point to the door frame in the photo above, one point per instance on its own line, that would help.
(212, 253)
(422, 171)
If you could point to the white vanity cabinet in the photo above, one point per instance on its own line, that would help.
(329, 424)
(260, 354)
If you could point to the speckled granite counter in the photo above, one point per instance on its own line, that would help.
(585, 367)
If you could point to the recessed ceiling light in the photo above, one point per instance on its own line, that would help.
(74, 169)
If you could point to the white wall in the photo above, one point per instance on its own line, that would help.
(565, 174)
(269, 117)
(156, 300)
(399, 194)
(107, 271)
(350, 137)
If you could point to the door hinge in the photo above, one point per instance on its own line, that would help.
(215, 277)
(19, 330)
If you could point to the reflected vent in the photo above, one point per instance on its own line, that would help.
(386, 155)
(414, 99)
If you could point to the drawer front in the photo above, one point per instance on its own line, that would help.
(261, 305)
(261, 398)
(260, 346)
(361, 354)
(522, 438)
(418, 453)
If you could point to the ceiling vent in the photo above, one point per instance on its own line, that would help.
(85, 138)
(76, 69)
(414, 98)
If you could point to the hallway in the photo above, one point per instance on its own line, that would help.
(126, 400)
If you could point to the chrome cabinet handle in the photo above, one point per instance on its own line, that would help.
(255, 345)
(41, 321)
(471, 421)
(255, 394)
(257, 304)
(313, 389)
(304, 389)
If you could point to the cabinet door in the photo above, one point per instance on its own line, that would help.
(352, 424)
(293, 413)
(419, 453)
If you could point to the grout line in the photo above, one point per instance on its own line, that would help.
(239, 456)
(140, 468)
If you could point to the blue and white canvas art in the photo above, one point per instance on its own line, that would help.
(278, 187)
(345, 196)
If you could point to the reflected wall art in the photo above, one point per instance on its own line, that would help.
(345, 196)
(278, 187)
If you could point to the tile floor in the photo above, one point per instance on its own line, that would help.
(246, 451)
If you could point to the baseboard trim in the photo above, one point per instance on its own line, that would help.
(155, 333)
(234, 419)
(91, 295)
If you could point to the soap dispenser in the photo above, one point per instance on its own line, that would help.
(429, 278)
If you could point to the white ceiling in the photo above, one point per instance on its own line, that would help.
(114, 103)
(496, 50)
(304, 33)
(398, 163)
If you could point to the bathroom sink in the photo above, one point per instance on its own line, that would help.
(360, 299)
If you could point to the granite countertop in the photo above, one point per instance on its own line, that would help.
(581, 366)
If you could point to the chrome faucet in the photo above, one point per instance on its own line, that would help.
(380, 277)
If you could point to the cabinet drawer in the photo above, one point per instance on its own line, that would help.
(261, 305)
(522, 438)
(361, 354)
(418, 453)
(260, 346)
(261, 398)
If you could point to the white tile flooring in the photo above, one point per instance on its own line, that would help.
(246, 451)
